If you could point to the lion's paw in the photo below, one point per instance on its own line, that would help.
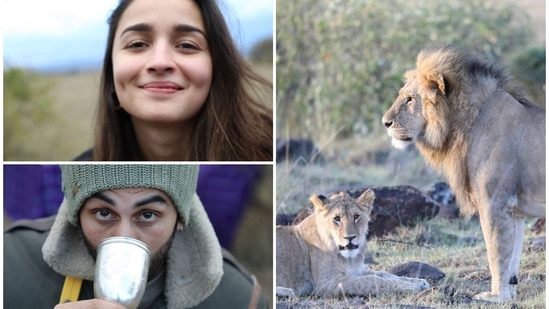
(491, 297)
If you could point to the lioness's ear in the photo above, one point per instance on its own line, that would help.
(366, 200)
(317, 202)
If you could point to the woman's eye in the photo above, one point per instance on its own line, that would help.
(103, 215)
(136, 45)
(187, 45)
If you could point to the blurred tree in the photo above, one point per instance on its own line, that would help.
(340, 63)
(262, 52)
(528, 66)
(26, 105)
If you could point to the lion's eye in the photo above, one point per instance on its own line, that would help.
(409, 100)
(356, 217)
(337, 219)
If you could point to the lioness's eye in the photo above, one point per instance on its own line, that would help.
(356, 217)
(337, 219)
(409, 100)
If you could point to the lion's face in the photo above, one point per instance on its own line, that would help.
(343, 221)
(404, 120)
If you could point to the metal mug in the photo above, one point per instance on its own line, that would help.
(121, 270)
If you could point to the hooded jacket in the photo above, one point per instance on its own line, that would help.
(198, 274)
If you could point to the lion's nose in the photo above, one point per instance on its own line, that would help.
(387, 123)
(349, 238)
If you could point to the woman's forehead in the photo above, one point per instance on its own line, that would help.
(161, 14)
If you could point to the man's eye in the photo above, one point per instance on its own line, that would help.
(103, 214)
(148, 216)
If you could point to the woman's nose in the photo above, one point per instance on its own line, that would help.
(160, 60)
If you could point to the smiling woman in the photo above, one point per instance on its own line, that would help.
(174, 87)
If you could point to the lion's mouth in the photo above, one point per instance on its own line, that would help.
(348, 247)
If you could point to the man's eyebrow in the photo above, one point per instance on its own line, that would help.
(104, 198)
(151, 199)
(180, 28)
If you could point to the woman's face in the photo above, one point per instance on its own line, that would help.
(161, 61)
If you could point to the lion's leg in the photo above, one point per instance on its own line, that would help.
(517, 251)
(502, 234)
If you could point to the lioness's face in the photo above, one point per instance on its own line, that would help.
(345, 220)
(404, 120)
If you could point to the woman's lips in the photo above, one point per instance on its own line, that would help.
(162, 87)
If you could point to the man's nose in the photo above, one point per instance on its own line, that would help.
(125, 229)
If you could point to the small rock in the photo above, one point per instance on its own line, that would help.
(300, 151)
(442, 194)
(537, 244)
(418, 270)
(539, 226)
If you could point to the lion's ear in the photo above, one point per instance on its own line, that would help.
(433, 81)
(366, 200)
(317, 202)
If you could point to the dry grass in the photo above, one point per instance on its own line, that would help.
(464, 264)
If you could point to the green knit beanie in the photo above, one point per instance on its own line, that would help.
(84, 180)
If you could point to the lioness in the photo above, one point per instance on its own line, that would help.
(472, 122)
(324, 254)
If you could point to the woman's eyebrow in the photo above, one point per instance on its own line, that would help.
(179, 28)
(138, 28)
(188, 28)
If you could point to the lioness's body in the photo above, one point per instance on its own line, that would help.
(471, 122)
(324, 254)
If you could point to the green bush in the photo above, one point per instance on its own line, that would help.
(340, 63)
(529, 68)
(26, 107)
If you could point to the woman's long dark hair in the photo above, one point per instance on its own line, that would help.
(233, 124)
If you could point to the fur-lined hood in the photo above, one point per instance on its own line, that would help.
(194, 265)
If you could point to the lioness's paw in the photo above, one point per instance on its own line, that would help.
(281, 291)
(423, 284)
(489, 296)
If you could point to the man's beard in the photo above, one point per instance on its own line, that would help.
(158, 260)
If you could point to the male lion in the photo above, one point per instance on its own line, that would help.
(470, 120)
(324, 254)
